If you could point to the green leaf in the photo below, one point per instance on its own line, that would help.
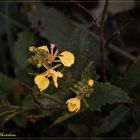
(8, 90)
(116, 116)
(105, 93)
(21, 54)
(84, 48)
(89, 72)
(52, 98)
(131, 79)
(63, 118)
(55, 26)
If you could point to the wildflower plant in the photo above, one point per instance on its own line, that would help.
(50, 60)
(66, 84)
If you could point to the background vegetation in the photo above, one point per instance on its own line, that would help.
(113, 109)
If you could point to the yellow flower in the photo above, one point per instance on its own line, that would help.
(67, 58)
(45, 48)
(90, 82)
(42, 79)
(49, 56)
(74, 104)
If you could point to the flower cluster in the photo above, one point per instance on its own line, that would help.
(82, 90)
(50, 59)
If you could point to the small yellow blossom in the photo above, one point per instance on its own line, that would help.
(67, 58)
(90, 82)
(42, 79)
(50, 59)
(51, 56)
(39, 65)
(74, 104)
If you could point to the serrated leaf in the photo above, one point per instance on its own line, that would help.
(63, 118)
(105, 93)
(89, 72)
(21, 54)
(131, 79)
(84, 48)
(55, 26)
(116, 116)
(52, 98)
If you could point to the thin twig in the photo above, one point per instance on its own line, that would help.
(35, 95)
(94, 20)
(102, 46)
(118, 32)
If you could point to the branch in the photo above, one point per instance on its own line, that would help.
(35, 95)
(102, 46)
(118, 32)
(94, 20)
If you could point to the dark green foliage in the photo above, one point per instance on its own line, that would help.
(105, 93)
(112, 105)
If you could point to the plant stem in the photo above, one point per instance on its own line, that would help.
(94, 20)
(102, 46)
(111, 46)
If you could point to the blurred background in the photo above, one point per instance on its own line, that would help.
(36, 23)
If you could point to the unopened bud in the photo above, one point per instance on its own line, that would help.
(29, 60)
(90, 82)
(32, 49)
(39, 65)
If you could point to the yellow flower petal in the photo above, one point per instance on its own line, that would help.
(44, 48)
(67, 58)
(56, 73)
(55, 81)
(73, 104)
(42, 82)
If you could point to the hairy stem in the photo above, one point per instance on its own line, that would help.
(94, 20)
(102, 45)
